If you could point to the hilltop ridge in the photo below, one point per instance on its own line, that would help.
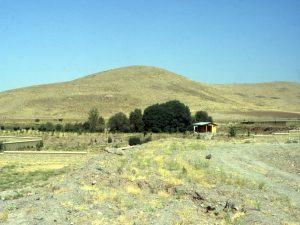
(124, 89)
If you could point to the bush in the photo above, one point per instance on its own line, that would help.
(232, 132)
(69, 127)
(46, 127)
(147, 139)
(37, 120)
(134, 141)
(2, 127)
(59, 127)
(39, 145)
(1, 146)
(109, 140)
(16, 128)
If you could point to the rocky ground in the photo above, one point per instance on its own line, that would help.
(174, 181)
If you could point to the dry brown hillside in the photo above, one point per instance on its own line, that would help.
(132, 87)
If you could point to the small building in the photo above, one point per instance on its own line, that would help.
(205, 127)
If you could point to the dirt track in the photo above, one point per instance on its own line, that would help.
(260, 163)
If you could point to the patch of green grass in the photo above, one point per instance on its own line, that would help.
(12, 178)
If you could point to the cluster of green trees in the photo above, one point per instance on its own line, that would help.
(172, 116)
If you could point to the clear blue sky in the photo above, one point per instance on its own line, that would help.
(215, 41)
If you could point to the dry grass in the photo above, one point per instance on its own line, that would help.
(116, 90)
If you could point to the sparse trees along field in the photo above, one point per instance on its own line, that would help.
(172, 116)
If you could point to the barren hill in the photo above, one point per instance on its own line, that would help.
(132, 87)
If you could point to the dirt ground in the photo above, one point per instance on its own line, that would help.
(170, 182)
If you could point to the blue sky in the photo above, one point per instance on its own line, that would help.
(215, 41)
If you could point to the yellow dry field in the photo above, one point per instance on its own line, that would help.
(124, 89)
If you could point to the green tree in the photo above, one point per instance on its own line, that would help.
(202, 116)
(119, 122)
(136, 121)
(100, 124)
(171, 116)
(93, 119)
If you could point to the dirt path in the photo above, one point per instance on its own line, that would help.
(251, 161)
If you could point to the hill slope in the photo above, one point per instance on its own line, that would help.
(132, 87)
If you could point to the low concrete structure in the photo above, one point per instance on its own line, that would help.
(20, 144)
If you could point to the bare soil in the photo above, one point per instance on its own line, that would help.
(250, 184)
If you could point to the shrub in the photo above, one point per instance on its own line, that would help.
(109, 140)
(16, 128)
(86, 126)
(46, 127)
(39, 145)
(134, 141)
(69, 127)
(147, 139)
(2, 127)
(1, 146)
(232, 132)
(58, 127)
(37, 120)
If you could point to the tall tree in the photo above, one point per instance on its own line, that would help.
(93, 119)
(202, 116)
(100, 124)
(119, 122)
(136, 121)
